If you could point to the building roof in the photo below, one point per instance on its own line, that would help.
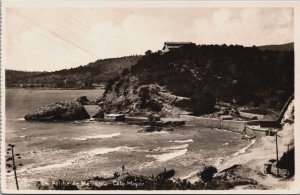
(178, 43)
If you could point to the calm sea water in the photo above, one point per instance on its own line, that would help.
(84, 149)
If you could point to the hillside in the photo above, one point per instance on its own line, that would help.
(12, 76)
(194, 78)
(83, 76)
(283, 47)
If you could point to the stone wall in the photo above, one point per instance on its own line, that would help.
(202, 122)
(251, 115)
(257, 132)
(238, 126)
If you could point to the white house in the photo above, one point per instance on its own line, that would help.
(168, 46)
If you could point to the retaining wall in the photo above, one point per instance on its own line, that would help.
(257, 132)
(254, 122)
(201, 121)
(251, 115)
(238, 126)
(270, 123)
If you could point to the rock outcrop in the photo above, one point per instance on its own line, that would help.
(59, 111)
(127, 96)
(84, 100)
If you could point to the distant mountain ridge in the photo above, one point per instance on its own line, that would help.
(282, 47)
(95, 72)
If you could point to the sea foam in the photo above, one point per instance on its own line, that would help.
(168, 156)
(177, 147)
(184, 141)
(24, 136)
(53, 166)
(100, 136)
(99, 151)
(157, 133)
(243, 150)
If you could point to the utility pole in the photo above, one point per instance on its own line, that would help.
(12, 158)
(277, 155)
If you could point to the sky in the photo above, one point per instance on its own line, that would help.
(48, 39)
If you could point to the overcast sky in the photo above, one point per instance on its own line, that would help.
(57, 38)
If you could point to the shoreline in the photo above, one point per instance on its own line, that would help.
(219, 163)
(254, 158)
(253, 155)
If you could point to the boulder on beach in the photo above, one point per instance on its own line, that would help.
(61, 111)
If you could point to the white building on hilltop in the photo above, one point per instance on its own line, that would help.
(168, 46)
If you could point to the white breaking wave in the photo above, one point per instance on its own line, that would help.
(243, 150)
(184, 141)
(157, 133)
(164, 149)
(101, 136)
(177, 147)
(23, 136)
(219, 162)
(53, 166)
(168, 156)
(99, 151)
(80, 157)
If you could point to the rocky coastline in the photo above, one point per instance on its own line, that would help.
(189, 81)
(60, 111)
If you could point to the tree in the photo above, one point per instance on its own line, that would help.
(11, 162)
(207, 174)
(287, 161)
(203, 103)
(148, 52)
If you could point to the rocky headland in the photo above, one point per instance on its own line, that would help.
(195, 79)
(61, 111)
(204, 80)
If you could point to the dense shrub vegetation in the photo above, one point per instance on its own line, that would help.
(246, 74)
(162, 181)
(287, 161)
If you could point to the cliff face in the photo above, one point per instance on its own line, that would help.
(200, 75)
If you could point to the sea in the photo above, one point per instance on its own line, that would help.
(80, 150)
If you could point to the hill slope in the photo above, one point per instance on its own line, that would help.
(96, 72)
(283, 47)
(195, 77)
(12, 76)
